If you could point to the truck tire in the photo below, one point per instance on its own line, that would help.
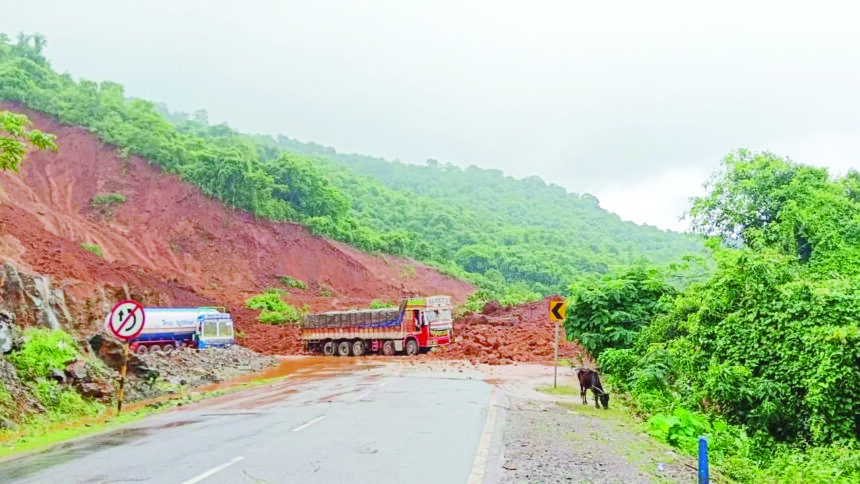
(388, 348)
(328, 348)
(155, 348)
(168, 348)
(411, 347)
(358, 347)
(343, 348)
(142, 350)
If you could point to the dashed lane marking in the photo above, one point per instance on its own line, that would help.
(308, 424)
(213, 471)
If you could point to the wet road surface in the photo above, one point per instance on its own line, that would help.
(385, 422)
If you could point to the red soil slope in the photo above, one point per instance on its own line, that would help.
(503, 335)
(169, 244)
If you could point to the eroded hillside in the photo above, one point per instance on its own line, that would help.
(169, 244)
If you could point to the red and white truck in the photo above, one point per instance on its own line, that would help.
(417, 325)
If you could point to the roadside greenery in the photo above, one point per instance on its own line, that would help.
(516, 239)
(39, 361)
(765, 356)
(273, 309)
(290, 282)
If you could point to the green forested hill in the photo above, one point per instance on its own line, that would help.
(516, 239)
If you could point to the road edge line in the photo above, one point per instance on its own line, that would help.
(479, 465)
(308, 424)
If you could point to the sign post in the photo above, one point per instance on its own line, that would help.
(557, 312)
(125, 321)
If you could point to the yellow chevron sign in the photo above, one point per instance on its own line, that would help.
(557, 310)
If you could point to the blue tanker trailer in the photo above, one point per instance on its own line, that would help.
(166, 329)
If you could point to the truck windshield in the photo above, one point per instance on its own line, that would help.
(210, 329)
(225, 329)
(437, 315)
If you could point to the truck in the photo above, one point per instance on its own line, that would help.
(166, 329)
(419, 324)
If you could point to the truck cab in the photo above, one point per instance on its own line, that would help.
(214, 330)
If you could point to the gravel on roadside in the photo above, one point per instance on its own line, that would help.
(547, 441)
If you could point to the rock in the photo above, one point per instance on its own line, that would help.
(100, 389)
(57, 375)
(491, 307)
(77, 370)
(9, 334)
(7, 425)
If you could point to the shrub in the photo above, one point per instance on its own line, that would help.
(377, 304)
(43, 350)
(290, 282)
(92, 248)
(273, 309)
(63, 403)
(106, 200)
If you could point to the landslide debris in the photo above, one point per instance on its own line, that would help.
(186, 368)
(499, 335)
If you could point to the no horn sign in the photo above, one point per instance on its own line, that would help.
(126, 319)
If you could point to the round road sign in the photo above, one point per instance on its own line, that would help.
(126, 319)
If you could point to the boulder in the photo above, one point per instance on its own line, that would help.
(99, 389)
(77, 370)
(491, 307)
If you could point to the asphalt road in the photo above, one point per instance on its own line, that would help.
(379, 424)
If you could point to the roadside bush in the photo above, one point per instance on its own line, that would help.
(43, 350)
(273, 309)
(63, 403)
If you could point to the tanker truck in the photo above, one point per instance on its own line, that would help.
(419, 324)
(166, 329)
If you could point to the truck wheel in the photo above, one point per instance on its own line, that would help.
(168, 348)
(142, 350)
(358, 347)
(155, 348)
(343, 348)
(388, 348)
(328, 348)
(411, 347)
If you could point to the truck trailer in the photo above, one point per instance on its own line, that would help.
(419, 324)
(166, 329)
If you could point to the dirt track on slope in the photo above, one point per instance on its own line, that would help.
(171, 245)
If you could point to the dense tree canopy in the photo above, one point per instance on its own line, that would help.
(15, 135)
(771, 343)
(516, 239)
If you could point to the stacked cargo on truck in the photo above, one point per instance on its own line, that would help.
(419, 324)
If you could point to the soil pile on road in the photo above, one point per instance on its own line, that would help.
(104, 226)
(503, 335)
(188, 368)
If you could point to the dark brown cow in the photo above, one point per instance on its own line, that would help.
(589, 379)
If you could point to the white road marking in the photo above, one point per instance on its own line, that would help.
(386, 382)
(212, 471)
(308, 424)
(479, 466)
(361, 396)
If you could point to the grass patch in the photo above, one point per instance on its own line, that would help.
(377, 304)
(107, 200)
(43, 351)
(290, 282)
(92, 248)
(560, 390)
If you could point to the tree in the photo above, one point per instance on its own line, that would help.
(15, 136)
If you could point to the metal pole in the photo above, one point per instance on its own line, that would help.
(555, 359)
(703, 461)
(122, 377)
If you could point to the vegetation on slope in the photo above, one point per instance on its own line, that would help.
(765, 356)
(514, 238)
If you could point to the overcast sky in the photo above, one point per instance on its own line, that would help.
(634, 102)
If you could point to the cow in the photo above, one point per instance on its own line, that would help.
(589, 379)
